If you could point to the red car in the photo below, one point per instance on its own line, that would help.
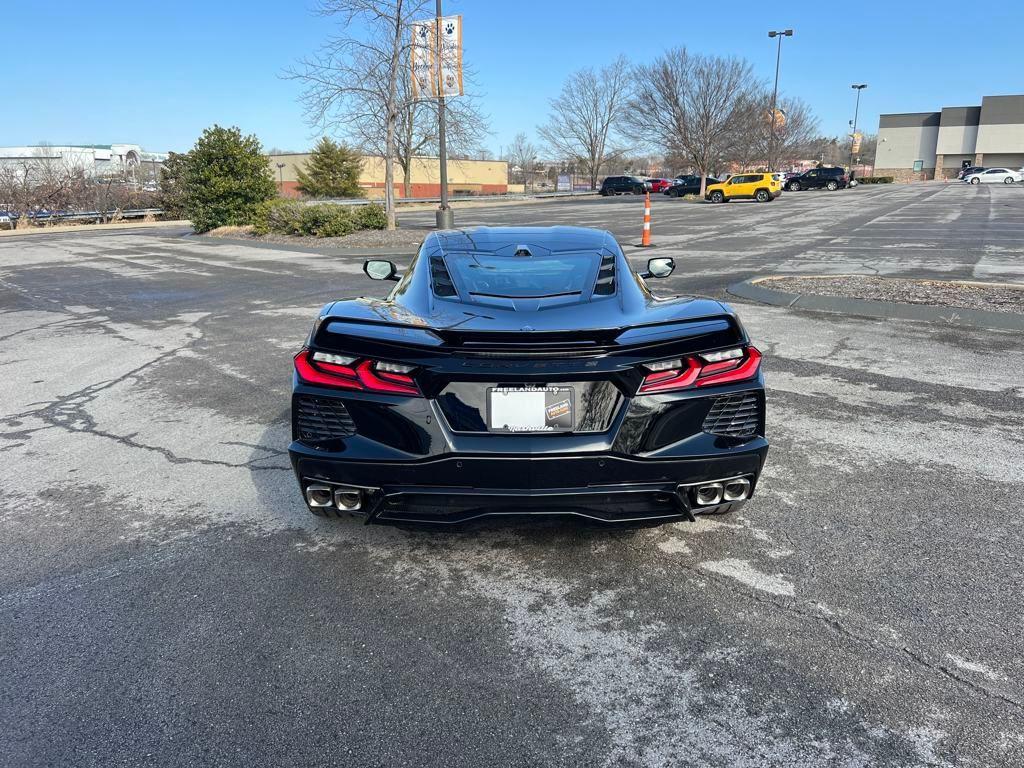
(659, 185)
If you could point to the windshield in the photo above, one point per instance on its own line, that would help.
(523, 277)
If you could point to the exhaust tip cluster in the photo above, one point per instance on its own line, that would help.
(719, 491)
(343, 498)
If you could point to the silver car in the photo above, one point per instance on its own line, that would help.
(995, 176)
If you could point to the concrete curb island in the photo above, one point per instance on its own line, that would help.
(955, 317)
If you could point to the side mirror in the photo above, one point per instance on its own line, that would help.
(380, 270)
(661, 267)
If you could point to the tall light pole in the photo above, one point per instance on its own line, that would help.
(856, 110)
(280, 173)
(445, 218)
(775, 92)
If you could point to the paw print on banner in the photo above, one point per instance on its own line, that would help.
(449, 28)
(423, 32)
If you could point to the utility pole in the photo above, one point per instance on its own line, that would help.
(775, 93)
(856, 110)
(445, 216)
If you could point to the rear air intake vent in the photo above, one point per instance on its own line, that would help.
(734, 415)
(318, 419)
(440, 280)
(605, 285)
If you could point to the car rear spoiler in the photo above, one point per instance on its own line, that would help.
(708, 332)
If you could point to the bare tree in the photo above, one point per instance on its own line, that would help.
(34, 187)
(795, 129)
(585, 116)
(694, 107)
(358, 72)
(416, 127)
(521, 155)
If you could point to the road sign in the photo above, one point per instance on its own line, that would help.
(437, 74)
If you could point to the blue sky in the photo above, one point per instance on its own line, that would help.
(158, 73)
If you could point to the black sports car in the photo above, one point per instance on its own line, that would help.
(526, 371)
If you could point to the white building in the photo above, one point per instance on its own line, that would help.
(127, 162)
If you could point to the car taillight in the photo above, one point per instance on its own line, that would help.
(723, 367)
(344, 372)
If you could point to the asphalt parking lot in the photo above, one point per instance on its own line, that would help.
(166, 599)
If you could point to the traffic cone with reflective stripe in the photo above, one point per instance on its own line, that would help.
(645, 241)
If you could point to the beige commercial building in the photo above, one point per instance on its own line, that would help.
(935, 145)
(474, 177)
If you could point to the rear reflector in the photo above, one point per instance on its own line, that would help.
(360, 375)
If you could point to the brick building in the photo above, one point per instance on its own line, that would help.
(927, 145)
(479, 177)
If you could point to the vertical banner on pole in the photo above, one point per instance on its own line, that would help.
(424, 44)
(450, 58)
(434, 73)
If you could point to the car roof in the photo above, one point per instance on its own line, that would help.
(494, 239)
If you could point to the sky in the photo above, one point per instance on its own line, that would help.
(156, 74)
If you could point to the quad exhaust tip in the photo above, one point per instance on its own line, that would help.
(319, 496)
(736, 490)
(720, 491)
(348, 499)
(709, 494)
(345, 499)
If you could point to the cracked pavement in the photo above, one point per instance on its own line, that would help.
(166, 599)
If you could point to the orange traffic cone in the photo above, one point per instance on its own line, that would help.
(645, 241)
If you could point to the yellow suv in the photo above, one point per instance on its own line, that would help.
(763, 187)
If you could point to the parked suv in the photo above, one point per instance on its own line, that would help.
(818, 178)
(623, 185)
(763, 187)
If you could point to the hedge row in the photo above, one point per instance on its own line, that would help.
(874, 179)
(291, 217)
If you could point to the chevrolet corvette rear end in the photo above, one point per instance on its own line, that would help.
(526, 371)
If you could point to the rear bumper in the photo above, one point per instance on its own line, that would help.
(601, 487)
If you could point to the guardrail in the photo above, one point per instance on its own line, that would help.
(455, 198)
(38, 217)
(10, 220)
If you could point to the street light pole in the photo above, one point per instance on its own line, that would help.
(775, 92)
(280, 174)
(856, 110)
(445, 217)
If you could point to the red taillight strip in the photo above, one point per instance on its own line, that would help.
(696, 375)
(341, 376)
(375, 383)
(666, 380)
(360, 377)
(746, 371)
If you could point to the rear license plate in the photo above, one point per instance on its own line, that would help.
(530, 409)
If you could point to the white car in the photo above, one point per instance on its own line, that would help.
(994, 176)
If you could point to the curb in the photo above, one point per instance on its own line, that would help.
(213, 242)
(115, 226)
(946, 317)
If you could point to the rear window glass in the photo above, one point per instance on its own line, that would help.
(523, 277)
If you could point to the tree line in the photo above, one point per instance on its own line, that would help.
(699, 112)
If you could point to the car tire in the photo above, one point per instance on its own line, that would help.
(1008, 180)
(832, 186)
(794, 186)
(975, 181)
(762, 196)
(716, 197)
